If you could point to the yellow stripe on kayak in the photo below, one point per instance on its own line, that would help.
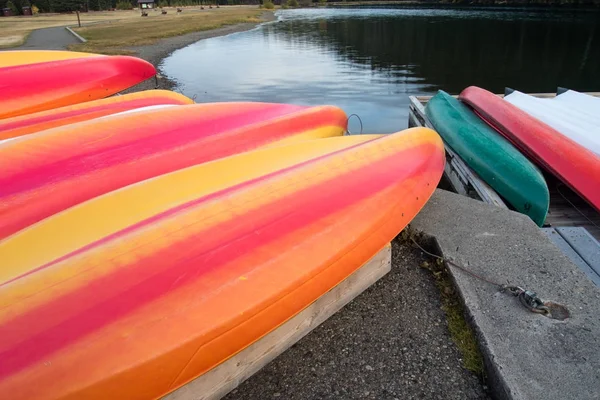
(24, 57)
(117, 210)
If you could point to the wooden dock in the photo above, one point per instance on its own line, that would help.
(567, 209)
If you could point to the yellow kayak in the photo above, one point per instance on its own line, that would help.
(24, 57)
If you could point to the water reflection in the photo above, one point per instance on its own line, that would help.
(368, 61)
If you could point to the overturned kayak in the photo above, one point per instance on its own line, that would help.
(571, 122)
(570, 162)
(491, 156)
(38, 87)
(205, 273)
(30, 123)
(24, 57)
(49, 171)
(580, 101)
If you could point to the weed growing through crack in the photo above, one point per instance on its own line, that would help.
(460, 330)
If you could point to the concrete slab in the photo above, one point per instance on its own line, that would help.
(528, 356)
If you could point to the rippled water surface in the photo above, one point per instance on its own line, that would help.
(368, 61)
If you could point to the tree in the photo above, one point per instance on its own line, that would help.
(67, 5)
(17, 6)
(12, 7)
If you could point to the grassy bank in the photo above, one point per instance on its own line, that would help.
(115, 37)
(14, 30)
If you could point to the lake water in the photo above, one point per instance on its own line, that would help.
(368, 61)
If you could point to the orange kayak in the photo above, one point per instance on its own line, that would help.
(135, 309)
(46, 172)
(30, 123)
(38, 87)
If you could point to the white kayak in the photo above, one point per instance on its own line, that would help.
(581, 101)
(570, 121)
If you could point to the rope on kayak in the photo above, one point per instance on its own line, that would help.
(359, 120)
(528, 298)
(574, 206)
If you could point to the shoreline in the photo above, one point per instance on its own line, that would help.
(155, 53)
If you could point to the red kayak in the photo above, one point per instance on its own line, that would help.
(42, 86)
(572, 163)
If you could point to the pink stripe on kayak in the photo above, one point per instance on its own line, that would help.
(185, 129)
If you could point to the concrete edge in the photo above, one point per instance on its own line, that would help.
(78, 37)
(493, 372)
(526, 356)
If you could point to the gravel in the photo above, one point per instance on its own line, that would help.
(391, 342)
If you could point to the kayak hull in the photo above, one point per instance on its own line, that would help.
(24, 57)
(570, 162)
(49, 171)
(38, 87)
(31, 123)
(572, 123)
(167, 299)
(590, 105)
(491, 156)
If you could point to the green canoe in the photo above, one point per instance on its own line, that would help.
(491, 156)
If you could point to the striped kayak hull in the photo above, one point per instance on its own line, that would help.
(49, 171)
(150, 307)
(570, 162)
(30, 123)
(491, 156)
(24, 57)
(38, 87)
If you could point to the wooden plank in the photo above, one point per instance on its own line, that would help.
(584, 244)
(567, 250)
(225, 377)
(568, 209)
(460, 175)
